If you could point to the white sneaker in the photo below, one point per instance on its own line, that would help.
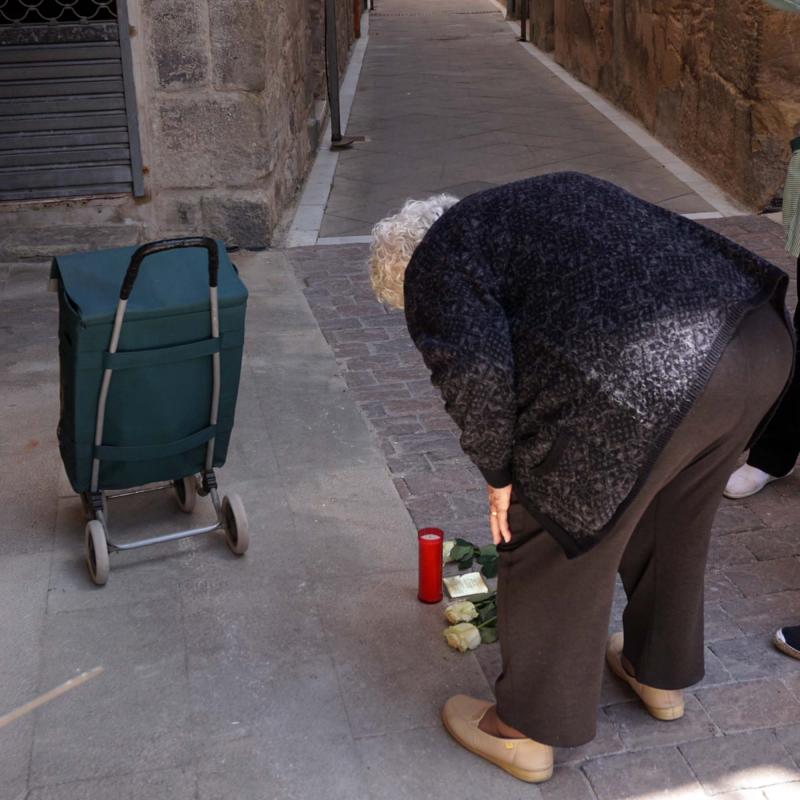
(747, 481)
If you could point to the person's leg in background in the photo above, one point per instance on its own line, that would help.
(775, 453)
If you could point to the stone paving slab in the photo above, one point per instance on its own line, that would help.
(737, 762)
(246, 678)
(28, 243)
(418, 763)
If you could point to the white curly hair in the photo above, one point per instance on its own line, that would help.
(394, 240)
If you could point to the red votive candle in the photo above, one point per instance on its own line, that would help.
(431, 543)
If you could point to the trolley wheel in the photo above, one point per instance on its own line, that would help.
(97, 552)
(88, 511)
(186, 492)
(237, 529)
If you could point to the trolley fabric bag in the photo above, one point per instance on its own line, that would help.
(156, 425)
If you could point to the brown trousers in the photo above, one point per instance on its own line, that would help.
(553, 613)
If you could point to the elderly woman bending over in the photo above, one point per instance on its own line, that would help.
(606, 362)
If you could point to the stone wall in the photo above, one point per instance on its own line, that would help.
(232, 94)
(231, 98)
(716, 81)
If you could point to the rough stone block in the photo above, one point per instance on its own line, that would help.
(750, 706)
(734, 517)
(750, 657)
(404, 465)
(543, 20)
(444, 481)
(716, 80)
(777, 507)
(715, 672)
(429, 509)
(735, 44)
(766, 577)
(177, 213)
(743, 761)
(56, 240)
(243, 220)
(789, 737)
(577, 24)
(719, 625)
(426, 443)
(469, 505)
(650, 773)
(726, 550)
(763, 614)
(178, 42)
(605, 743)
(637, 730)
(215, 141)
(369, 394)
(238, 31)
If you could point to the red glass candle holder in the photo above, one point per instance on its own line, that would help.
(431, 544)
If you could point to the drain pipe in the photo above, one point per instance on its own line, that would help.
(338, 142)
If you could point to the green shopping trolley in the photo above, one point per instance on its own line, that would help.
(150, 368)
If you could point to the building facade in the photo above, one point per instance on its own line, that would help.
(175, 115)
(718, 82)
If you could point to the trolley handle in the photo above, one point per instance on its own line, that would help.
(170, 244)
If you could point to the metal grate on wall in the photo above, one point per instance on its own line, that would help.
(67, 111)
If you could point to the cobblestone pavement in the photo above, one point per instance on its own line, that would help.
(740, 739)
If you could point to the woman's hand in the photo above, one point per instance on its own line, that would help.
(499, 502)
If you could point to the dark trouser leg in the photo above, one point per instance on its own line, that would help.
(663, 565)
(552, 623)
(778, 447)
(553, 612)
(663, 571)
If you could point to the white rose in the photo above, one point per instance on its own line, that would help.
(460, 612)
(447, 549)
(463, 636)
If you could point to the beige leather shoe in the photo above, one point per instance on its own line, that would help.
(523, 758)
(664, 704)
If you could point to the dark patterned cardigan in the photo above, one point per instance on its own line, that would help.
(570, 327)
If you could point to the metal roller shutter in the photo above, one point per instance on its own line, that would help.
(67, 111)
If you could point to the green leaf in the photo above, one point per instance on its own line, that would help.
(465, 564)
(488, 635)
(460, 552)
(487, 612)
(489, 551)
(489, 569)
(463, 543)
(482, 599)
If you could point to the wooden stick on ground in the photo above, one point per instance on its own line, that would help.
(72, 683)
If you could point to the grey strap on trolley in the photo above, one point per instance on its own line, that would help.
(127, 287)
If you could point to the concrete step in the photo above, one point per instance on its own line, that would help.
(41, 244)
